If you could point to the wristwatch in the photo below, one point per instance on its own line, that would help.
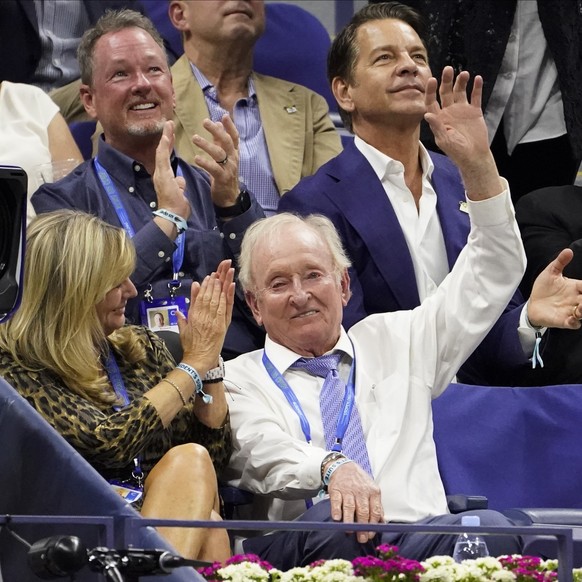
(242, 204)
(215, 375)
(330, 458)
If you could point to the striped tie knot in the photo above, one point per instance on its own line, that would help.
(320, 366)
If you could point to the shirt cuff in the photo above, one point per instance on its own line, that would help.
(309, 472)
(492, 211)
(527, 332)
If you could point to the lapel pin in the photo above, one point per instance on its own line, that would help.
(463, 206)
(291, 109)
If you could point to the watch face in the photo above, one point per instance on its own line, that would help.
(244, 201)
(242, 204)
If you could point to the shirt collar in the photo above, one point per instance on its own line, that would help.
(121, 167)
(384, 165)
(210, 90)
(283, 358)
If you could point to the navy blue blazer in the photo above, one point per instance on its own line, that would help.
(347, 191)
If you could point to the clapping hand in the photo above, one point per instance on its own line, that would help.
(222, 161)
(170, 189)
(203, 330)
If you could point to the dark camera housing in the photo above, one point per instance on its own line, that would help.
(13, 184)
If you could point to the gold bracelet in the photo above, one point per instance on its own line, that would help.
(177, 389)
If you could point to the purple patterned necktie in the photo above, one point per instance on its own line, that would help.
(330, 401)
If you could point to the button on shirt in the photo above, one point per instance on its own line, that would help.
(254, 162)
(403, 360)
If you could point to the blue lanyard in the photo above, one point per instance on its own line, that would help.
(117, 203)
(345, 411)
(119, 387)
(116, 379)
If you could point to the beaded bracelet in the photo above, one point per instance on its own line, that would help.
(199, 387)
(332, 469)
(180, 222)
(177, 388)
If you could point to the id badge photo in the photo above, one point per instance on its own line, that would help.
(161, 314)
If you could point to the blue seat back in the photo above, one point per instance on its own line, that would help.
(294, 47)
(82, 132)
(157, 12)
(520, 447)
(43, 475)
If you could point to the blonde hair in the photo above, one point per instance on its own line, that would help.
(270, 228)
(72, 260)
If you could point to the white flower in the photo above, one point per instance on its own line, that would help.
(445, 569)
(503, 576)
(489, 563)
(330, 571)
(244, 572)
(296, 575)
(438, 575)
(436, 561)
(334, 571)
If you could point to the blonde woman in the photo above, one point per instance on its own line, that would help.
(113, 391)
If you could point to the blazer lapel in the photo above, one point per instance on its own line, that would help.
(455, 222)
(357, 189)
(283, 113)
(190, 110)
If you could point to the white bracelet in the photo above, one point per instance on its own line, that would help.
(180, 222)
(198, 386)
(332, 469)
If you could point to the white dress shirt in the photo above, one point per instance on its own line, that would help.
(403, 360)
(421, 227)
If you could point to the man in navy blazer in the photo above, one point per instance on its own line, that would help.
(400, 210)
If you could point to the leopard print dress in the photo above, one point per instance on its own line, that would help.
(110, 439)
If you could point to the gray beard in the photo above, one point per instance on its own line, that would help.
(146, 129)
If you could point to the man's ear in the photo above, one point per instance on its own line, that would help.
(341, 91)
(87, 100)
(345, 286)
(252, 302)
(176, 13)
